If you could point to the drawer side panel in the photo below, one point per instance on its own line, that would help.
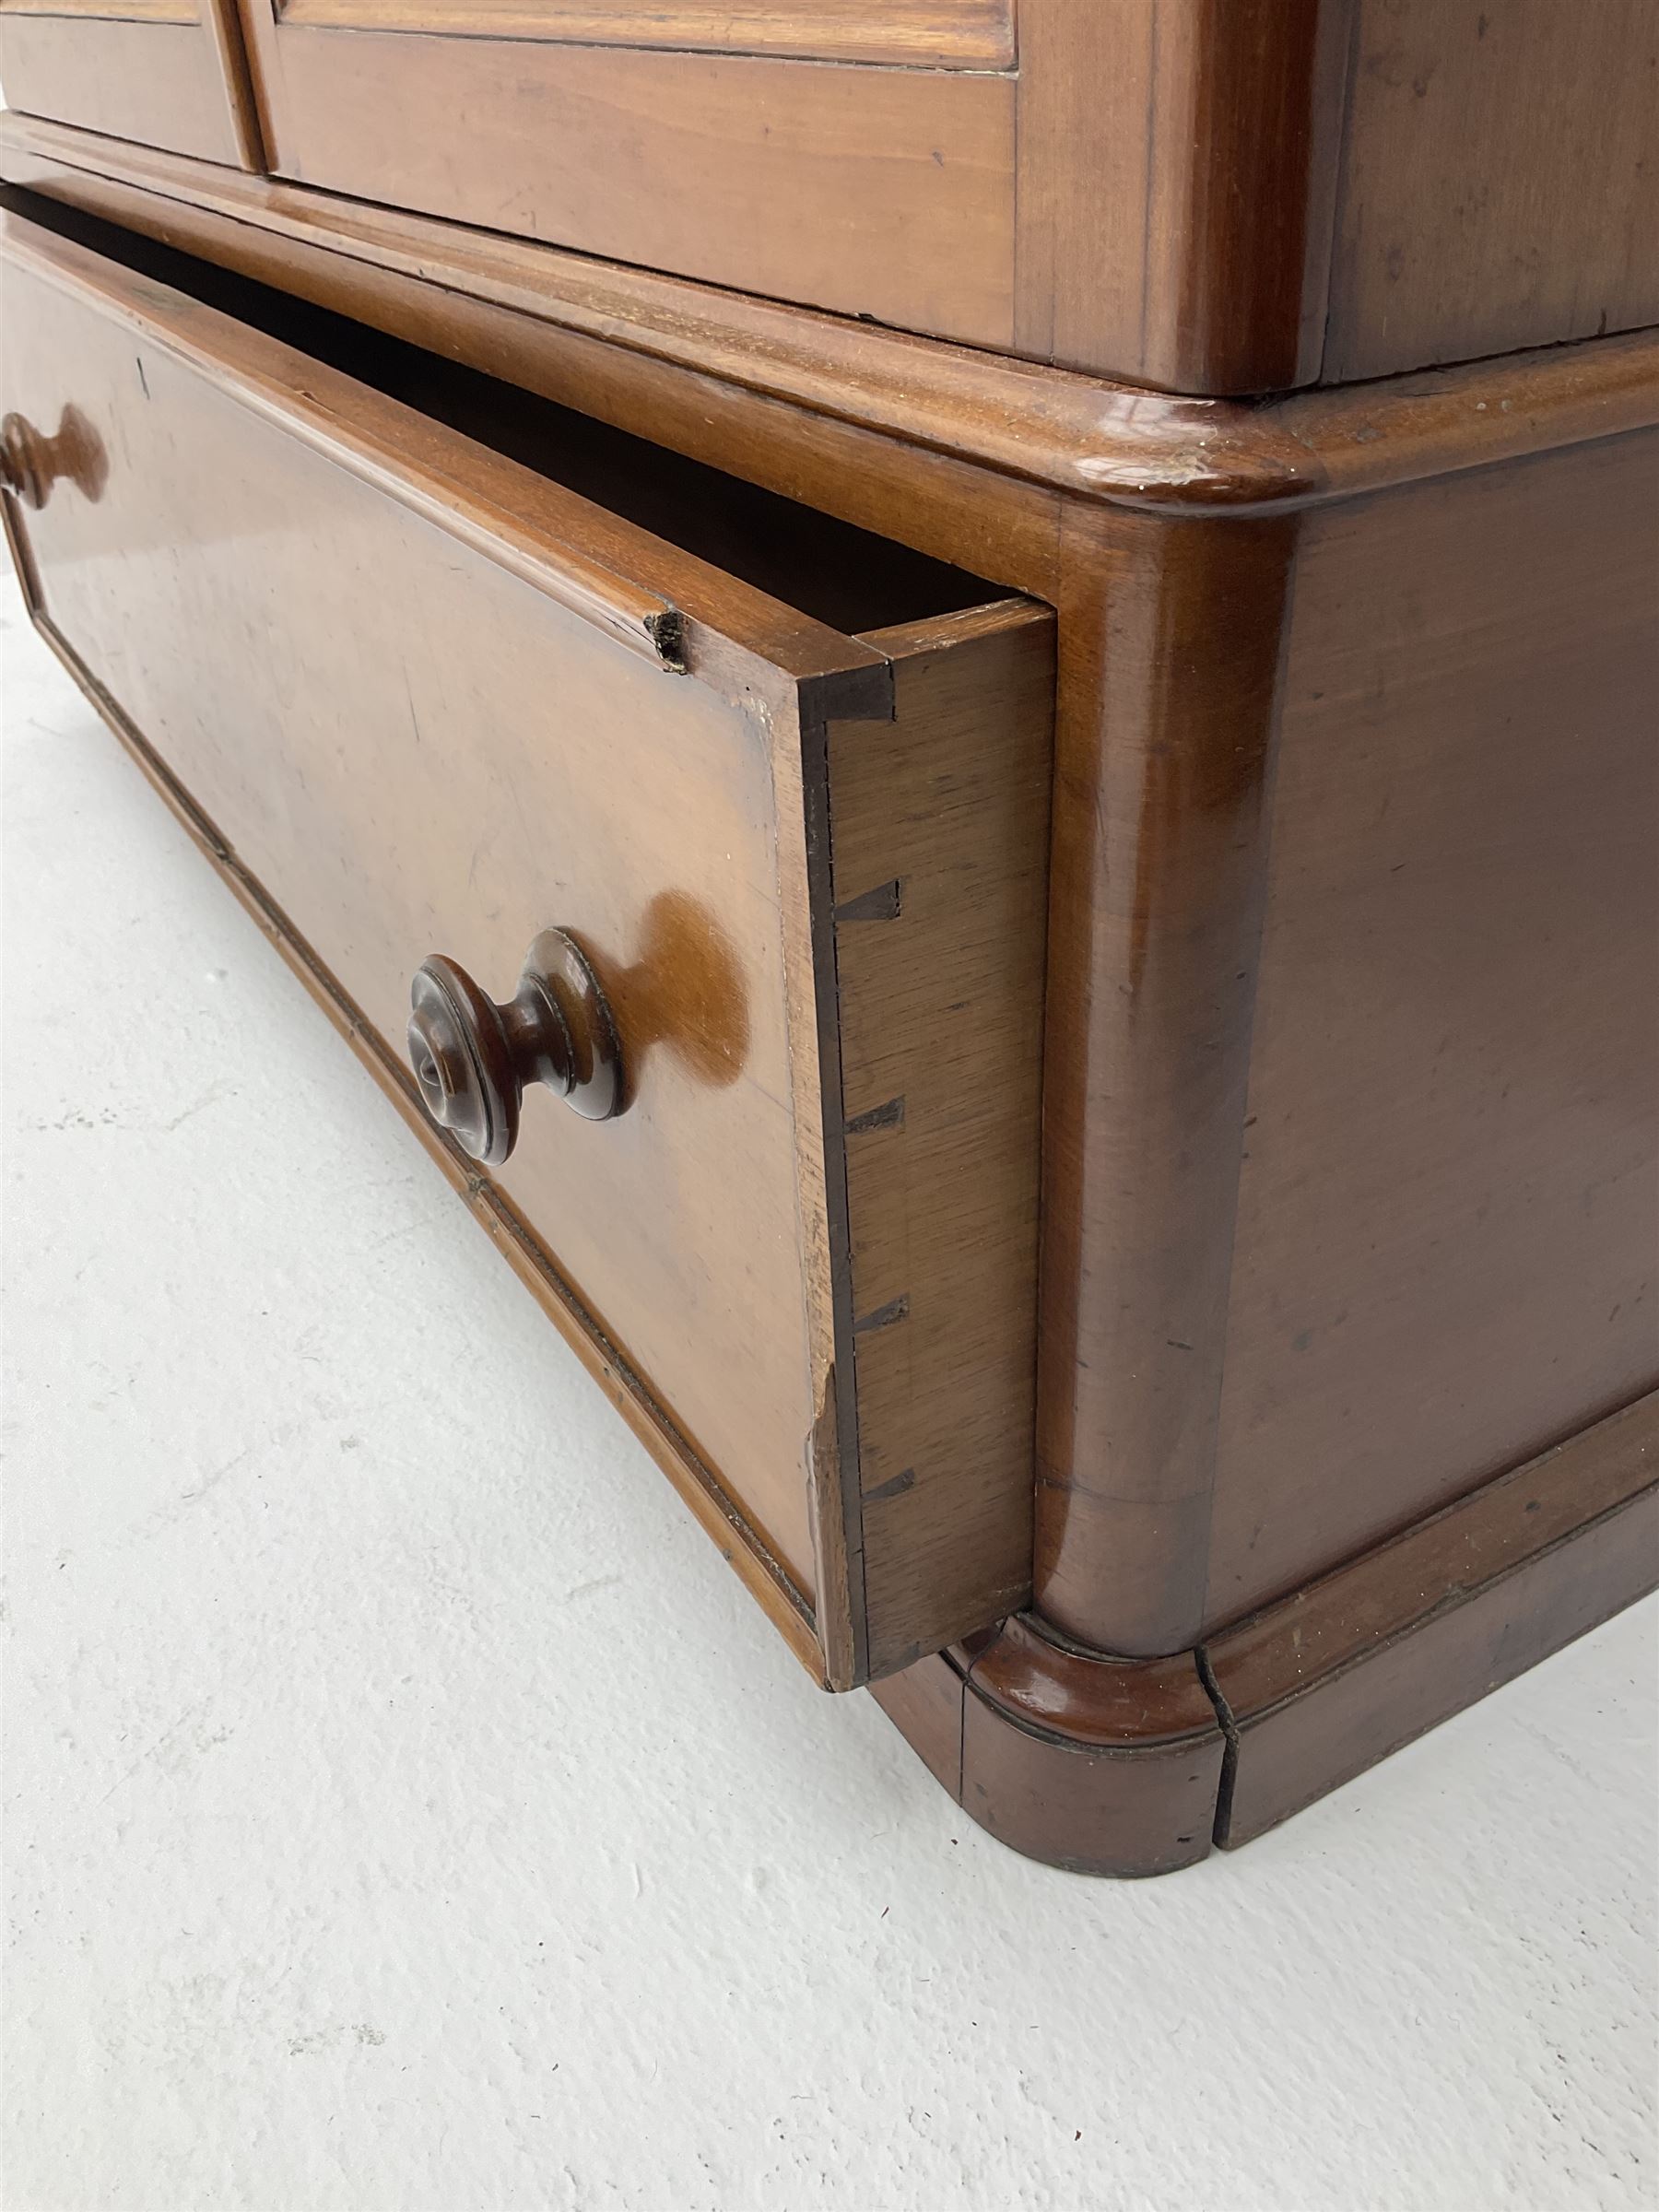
(940, 840)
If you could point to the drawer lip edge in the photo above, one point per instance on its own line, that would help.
(529, 525)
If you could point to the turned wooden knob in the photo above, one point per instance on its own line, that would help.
(473, 1058)
(30, 463)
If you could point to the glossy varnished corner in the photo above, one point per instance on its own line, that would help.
(1092, 1763)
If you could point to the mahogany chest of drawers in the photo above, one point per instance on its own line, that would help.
(1013, 644)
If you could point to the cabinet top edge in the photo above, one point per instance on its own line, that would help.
(1077, 435)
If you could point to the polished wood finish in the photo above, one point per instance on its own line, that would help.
(1098, 1765)
(777, 1597)
(1061, 487)
(1160, 836)
(382, 789)
(1408, 919)
(1216, 196)
(169, 73)
(1320, 1687)
(1244, 195)
(723, 808)
(474, 1059)
(1095, 1764)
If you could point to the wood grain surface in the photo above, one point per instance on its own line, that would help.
(1205, 196)
(107, 11)
(1055, 487)
(880, 193)
(1178, 167)
(1447, 1247)
(1501, 180)
(1110, 1766)
(940, 837)
(1443, 637)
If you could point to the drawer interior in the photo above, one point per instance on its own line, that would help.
(847, 578)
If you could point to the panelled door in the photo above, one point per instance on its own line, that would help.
(167, 73)
(851, 154)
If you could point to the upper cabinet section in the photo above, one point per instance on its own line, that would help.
(1214, 197)
(1209, 195)
(167, 73)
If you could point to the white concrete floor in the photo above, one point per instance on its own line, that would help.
(406, 1809)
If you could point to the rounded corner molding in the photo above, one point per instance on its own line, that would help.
(1086, 1761)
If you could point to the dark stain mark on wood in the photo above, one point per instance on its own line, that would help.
(885, 903)
(895, 1488)
(895, 1308)
(890, 1116)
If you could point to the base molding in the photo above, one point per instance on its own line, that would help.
(1095, 1764)
(1132, 1767)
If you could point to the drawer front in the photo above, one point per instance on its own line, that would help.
(432, 703)
(167, 73)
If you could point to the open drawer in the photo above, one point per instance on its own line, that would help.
(419, 697)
